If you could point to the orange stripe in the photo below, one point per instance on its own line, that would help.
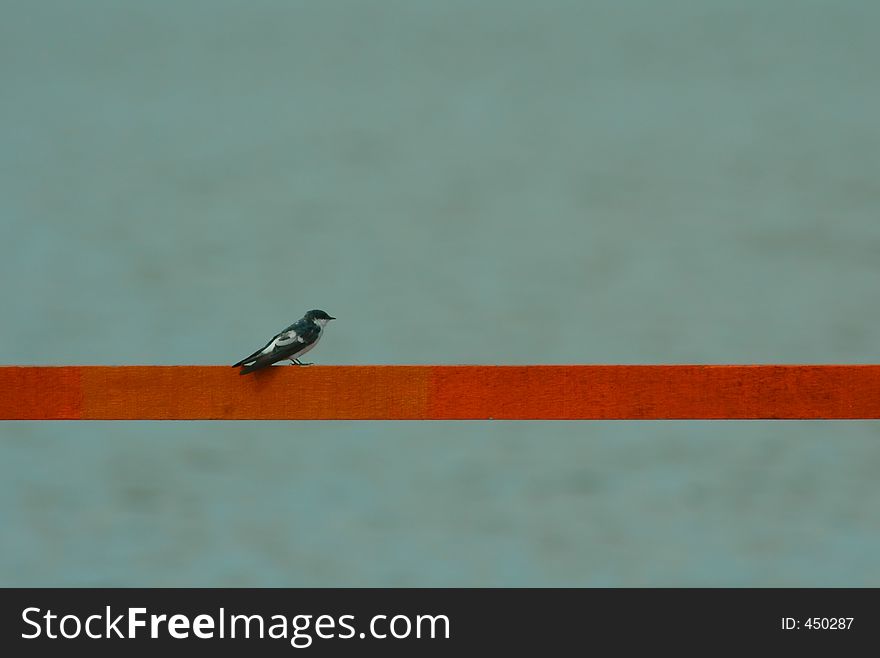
(52, 393)
(280, 393)
(441, 392)
(655, 392)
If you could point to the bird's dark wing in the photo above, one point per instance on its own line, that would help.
(253, 356)
(257, 353)
(285, 345)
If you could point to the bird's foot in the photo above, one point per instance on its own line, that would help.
(300, 363)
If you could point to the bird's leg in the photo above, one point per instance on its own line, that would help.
(300, 363)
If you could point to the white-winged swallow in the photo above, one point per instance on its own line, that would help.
(291, 343)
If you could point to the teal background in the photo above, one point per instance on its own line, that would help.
(458, 182)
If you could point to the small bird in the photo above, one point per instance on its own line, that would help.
(291, 343)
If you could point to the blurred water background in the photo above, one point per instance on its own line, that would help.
(494, 182)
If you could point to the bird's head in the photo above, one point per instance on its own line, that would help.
(320, 318)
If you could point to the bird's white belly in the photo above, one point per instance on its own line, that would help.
(307, 348)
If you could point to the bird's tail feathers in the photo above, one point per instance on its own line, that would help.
(256, 365)
(253, 357)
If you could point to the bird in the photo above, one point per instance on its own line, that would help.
(290, 343)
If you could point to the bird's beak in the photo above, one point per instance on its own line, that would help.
(332, 318)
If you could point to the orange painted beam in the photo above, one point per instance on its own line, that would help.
(599, 392)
